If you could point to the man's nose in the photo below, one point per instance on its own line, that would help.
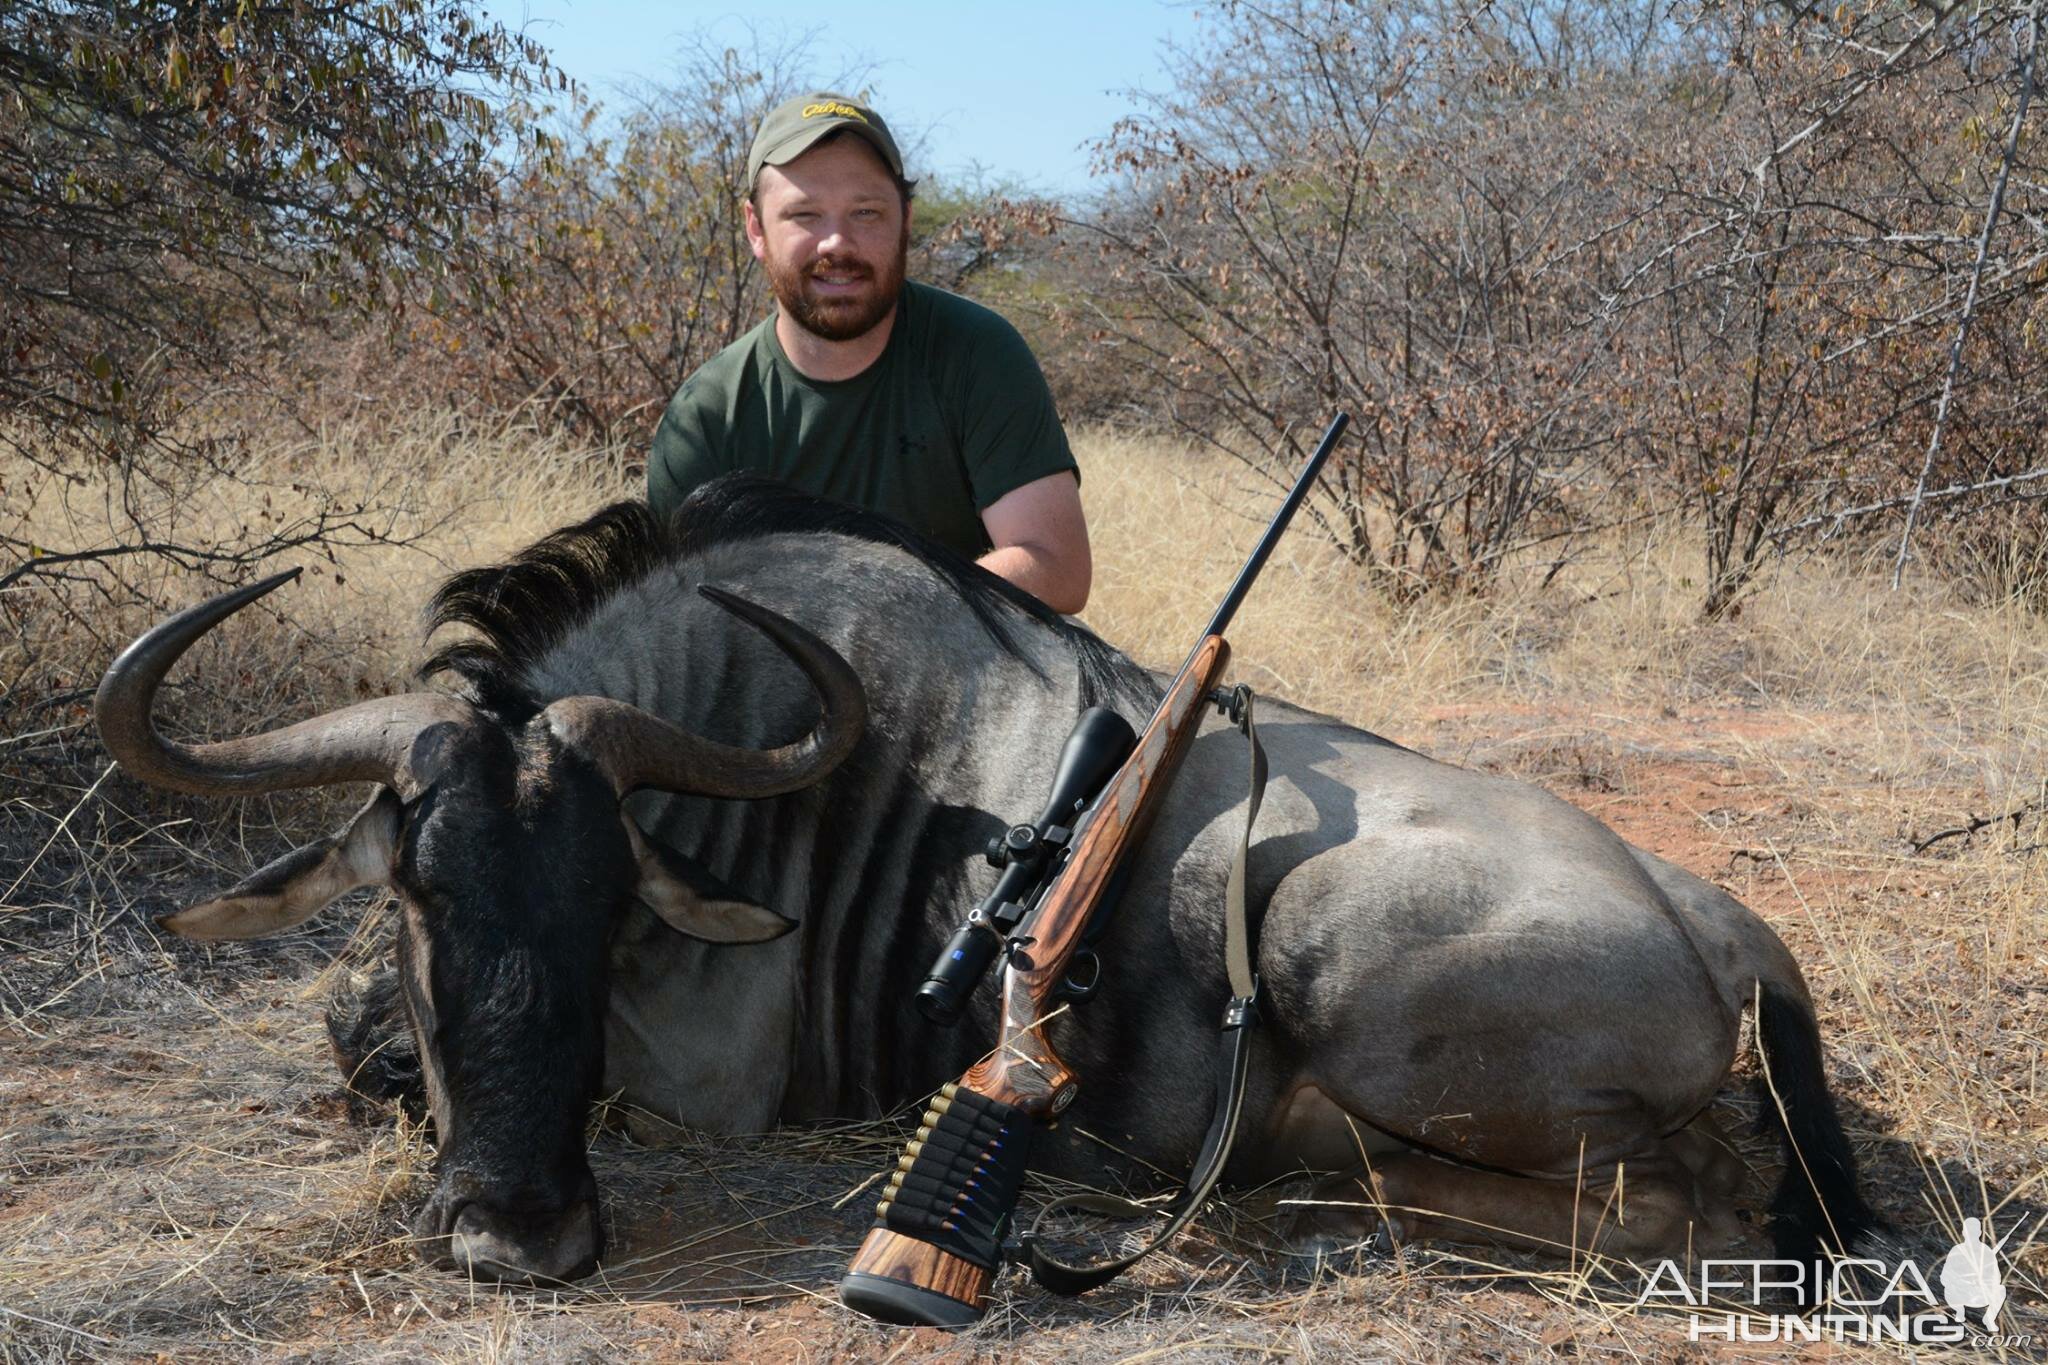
(835, 236)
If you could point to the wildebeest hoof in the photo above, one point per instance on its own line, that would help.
(1329, 1253)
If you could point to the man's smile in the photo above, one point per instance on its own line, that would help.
(840, 279)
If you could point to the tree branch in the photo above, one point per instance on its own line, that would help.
(1955, 354)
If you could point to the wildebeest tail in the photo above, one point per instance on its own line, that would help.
(1817, 1203)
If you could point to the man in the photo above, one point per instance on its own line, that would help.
(864, 387)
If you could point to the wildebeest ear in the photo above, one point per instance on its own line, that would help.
(690, 903)
(303, 882)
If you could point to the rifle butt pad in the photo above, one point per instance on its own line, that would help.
(900, 1279)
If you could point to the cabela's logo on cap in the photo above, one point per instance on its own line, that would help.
(835, 109)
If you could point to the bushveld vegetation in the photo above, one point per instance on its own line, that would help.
(1720, 258)
(1781, 270)
(1695, 354)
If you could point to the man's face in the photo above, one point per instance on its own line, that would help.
(832, 231)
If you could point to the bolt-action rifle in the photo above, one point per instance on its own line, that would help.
(943, 1225)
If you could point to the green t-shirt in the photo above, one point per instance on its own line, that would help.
(953, 415)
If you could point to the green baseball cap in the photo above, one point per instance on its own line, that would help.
(794, 127)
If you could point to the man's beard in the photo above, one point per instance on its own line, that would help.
(844, 317)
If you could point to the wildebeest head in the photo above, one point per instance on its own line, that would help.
(509, 852)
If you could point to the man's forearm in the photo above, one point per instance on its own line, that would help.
(1058, 582)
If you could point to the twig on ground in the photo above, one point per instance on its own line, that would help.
(23, 875)
(1983, 822)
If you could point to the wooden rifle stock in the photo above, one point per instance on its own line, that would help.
(1023, 1071)
(957, 1182)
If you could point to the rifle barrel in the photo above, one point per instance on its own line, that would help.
(1250, 572)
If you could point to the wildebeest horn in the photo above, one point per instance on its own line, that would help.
(635, 749)
(371, 741)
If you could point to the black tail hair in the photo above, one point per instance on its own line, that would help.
(1817, 1204)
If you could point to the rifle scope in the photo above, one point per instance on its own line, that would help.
(1028, 855)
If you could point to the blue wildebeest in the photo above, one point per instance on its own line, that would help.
(665, 844)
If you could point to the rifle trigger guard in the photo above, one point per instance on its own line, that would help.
(1075, 986)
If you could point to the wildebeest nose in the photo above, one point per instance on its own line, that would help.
(523, 1248)
(519, 1239)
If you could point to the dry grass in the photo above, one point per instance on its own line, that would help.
(177, 1174)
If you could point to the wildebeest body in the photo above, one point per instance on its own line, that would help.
(1448, 935)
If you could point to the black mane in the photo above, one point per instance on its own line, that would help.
(521, 609)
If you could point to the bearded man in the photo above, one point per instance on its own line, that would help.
(869, 388)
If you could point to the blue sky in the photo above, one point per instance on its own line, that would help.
(1015, 88)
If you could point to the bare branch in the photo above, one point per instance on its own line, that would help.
(1835, 521)
(1955, 355)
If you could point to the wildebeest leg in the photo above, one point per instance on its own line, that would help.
(1309, 1132)
(1717, 1170)
(372, 1042)
(1671, 1198)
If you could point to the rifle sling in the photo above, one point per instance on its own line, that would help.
(1233, 1059)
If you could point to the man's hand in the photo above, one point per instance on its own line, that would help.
(1041, 541)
